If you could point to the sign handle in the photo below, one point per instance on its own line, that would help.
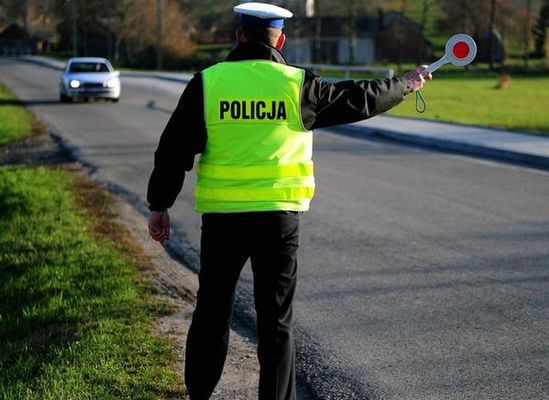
(436, 65)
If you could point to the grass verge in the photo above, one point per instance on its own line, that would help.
(15, 121)
(75, 319)
(474, 99)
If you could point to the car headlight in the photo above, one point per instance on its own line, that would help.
(112, 83)
(74, 84)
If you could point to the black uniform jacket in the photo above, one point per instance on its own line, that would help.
(322, 104)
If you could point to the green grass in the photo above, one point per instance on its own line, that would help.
(75, 319)
(15, 121)
(474, 99)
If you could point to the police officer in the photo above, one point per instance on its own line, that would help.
(251, 119)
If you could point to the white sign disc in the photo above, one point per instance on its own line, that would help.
(461, 49)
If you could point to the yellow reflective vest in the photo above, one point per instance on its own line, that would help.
(258, 155)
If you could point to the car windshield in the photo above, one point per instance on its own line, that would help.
(88, 67)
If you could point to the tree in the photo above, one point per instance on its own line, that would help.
(11, 8)
(42, 23)
(208, 18)
(540, 30)
(135, 27)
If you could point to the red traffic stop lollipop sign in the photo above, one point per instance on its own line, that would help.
(461, 50)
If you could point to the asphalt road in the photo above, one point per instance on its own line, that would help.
(422, 275)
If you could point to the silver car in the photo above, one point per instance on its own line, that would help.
(87, 77)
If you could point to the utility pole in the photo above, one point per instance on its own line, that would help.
(309, 12)
(527, 33)
(491, 33)
(158, 34)
(351, 34)
(24, 14)
(74, 17)
(423, 26)
(465, 15)
(424, 14)
(318, 32)
(400, 33)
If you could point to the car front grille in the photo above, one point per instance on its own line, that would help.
(91, 85)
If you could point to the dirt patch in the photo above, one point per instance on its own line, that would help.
(175, 283)
(34, 150)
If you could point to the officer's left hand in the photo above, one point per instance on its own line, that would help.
(416, 79)
(159, 226)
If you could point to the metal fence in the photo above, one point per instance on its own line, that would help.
(15, 51)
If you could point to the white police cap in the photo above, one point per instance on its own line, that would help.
(261, 14)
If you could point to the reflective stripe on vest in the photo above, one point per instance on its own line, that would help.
(258, 155)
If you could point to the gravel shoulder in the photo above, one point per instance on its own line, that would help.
(179, 285)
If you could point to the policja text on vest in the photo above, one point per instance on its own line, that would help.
(253, 110)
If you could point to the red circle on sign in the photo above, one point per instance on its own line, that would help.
(460, 50)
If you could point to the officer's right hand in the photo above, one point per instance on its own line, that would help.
(159, 226)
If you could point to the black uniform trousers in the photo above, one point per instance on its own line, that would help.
(270, 239)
